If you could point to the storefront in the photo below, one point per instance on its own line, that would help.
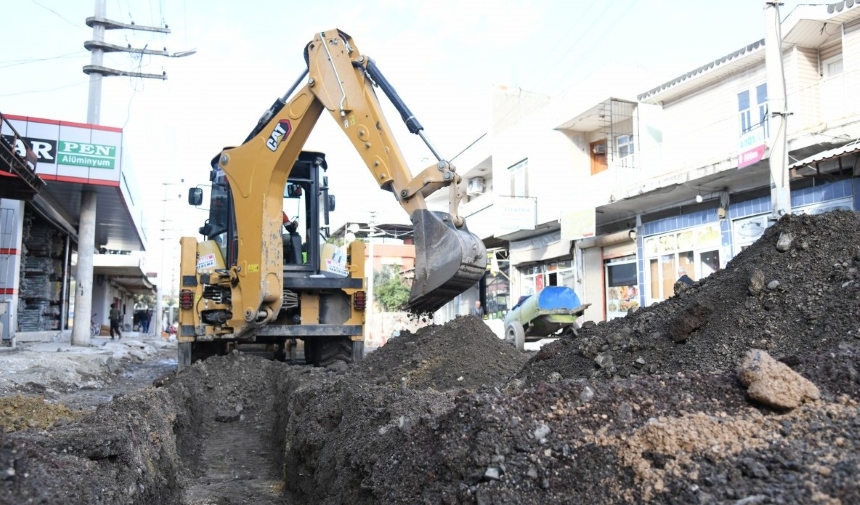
(695, 251)
(39, 234)
(539, 262)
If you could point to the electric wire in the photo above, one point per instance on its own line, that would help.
(57, 14)
(15, 63)
(47, 90)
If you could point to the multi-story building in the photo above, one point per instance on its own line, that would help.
(39, 239)
(616, 195)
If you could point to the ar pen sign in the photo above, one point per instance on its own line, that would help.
(751, 147)
(45, 149)
(80, 154)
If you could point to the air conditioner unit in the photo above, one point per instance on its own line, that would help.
(475, 186)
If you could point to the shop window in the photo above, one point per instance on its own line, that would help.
(695, 251)
(622, 286)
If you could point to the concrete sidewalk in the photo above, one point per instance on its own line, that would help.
(40, 365)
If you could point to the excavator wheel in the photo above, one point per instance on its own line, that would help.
(323, 351)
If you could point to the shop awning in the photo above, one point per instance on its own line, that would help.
(18, 179)
(124, 271)
(814, 160)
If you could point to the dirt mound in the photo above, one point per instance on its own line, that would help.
(648, 408)
(793, 292)
(19, 412)
(464, 353)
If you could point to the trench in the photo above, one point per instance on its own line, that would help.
(229, 432)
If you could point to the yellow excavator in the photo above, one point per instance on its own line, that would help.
(263, 280)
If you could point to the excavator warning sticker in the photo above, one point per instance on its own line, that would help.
(206, 261)
(282, 130)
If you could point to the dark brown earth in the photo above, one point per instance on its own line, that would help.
(647, 408)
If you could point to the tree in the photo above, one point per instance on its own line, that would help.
(390, 291)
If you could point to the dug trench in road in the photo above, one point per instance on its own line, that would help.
(645, 408)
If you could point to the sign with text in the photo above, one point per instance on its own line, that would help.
(578, 224)
(79, 154)
(73, 151)
(516, 213)
(751, 147)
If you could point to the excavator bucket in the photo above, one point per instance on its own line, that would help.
(448, 261)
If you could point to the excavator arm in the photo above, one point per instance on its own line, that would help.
(341, 81)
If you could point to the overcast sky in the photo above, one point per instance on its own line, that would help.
(442, 56)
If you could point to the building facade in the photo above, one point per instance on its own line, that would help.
(614, 195)
(39, 232)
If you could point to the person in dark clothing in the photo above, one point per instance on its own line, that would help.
(478, 310)
(145, 319)
(115, 317)
(683, 282)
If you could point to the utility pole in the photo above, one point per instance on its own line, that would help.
(87, 225)
(780, 190)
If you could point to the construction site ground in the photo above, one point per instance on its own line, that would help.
(743, 389)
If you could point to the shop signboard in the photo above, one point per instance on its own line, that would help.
(515, 213)
(578, 225)
(751, 147)
(73, 152)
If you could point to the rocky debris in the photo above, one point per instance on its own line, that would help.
(451, 414)
(773, 383)
(691, 318)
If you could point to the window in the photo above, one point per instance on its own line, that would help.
(761, 97)
(519, 179)
(744, 110)
(832, 66)
(625, 145)
(745, 107)
(622, 274)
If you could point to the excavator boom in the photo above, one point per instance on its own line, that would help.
(339, 80)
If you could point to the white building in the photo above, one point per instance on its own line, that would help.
(612, 194)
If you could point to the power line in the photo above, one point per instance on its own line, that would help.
(44, 90)
(57, 14)
(14, 63)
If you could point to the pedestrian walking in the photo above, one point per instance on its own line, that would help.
(147, 317)
(115, 317)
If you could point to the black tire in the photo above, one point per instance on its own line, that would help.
(327, 350)
(203, 350)
(516, 336)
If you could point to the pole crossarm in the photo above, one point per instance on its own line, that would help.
(112, 48)
(97, 69)
(110, 24)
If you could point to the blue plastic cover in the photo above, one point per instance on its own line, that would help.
(557, 297)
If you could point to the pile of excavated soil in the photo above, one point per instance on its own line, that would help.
(461, 354)
(647, 408)
(793, 292)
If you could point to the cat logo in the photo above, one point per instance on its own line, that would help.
(281, 131)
